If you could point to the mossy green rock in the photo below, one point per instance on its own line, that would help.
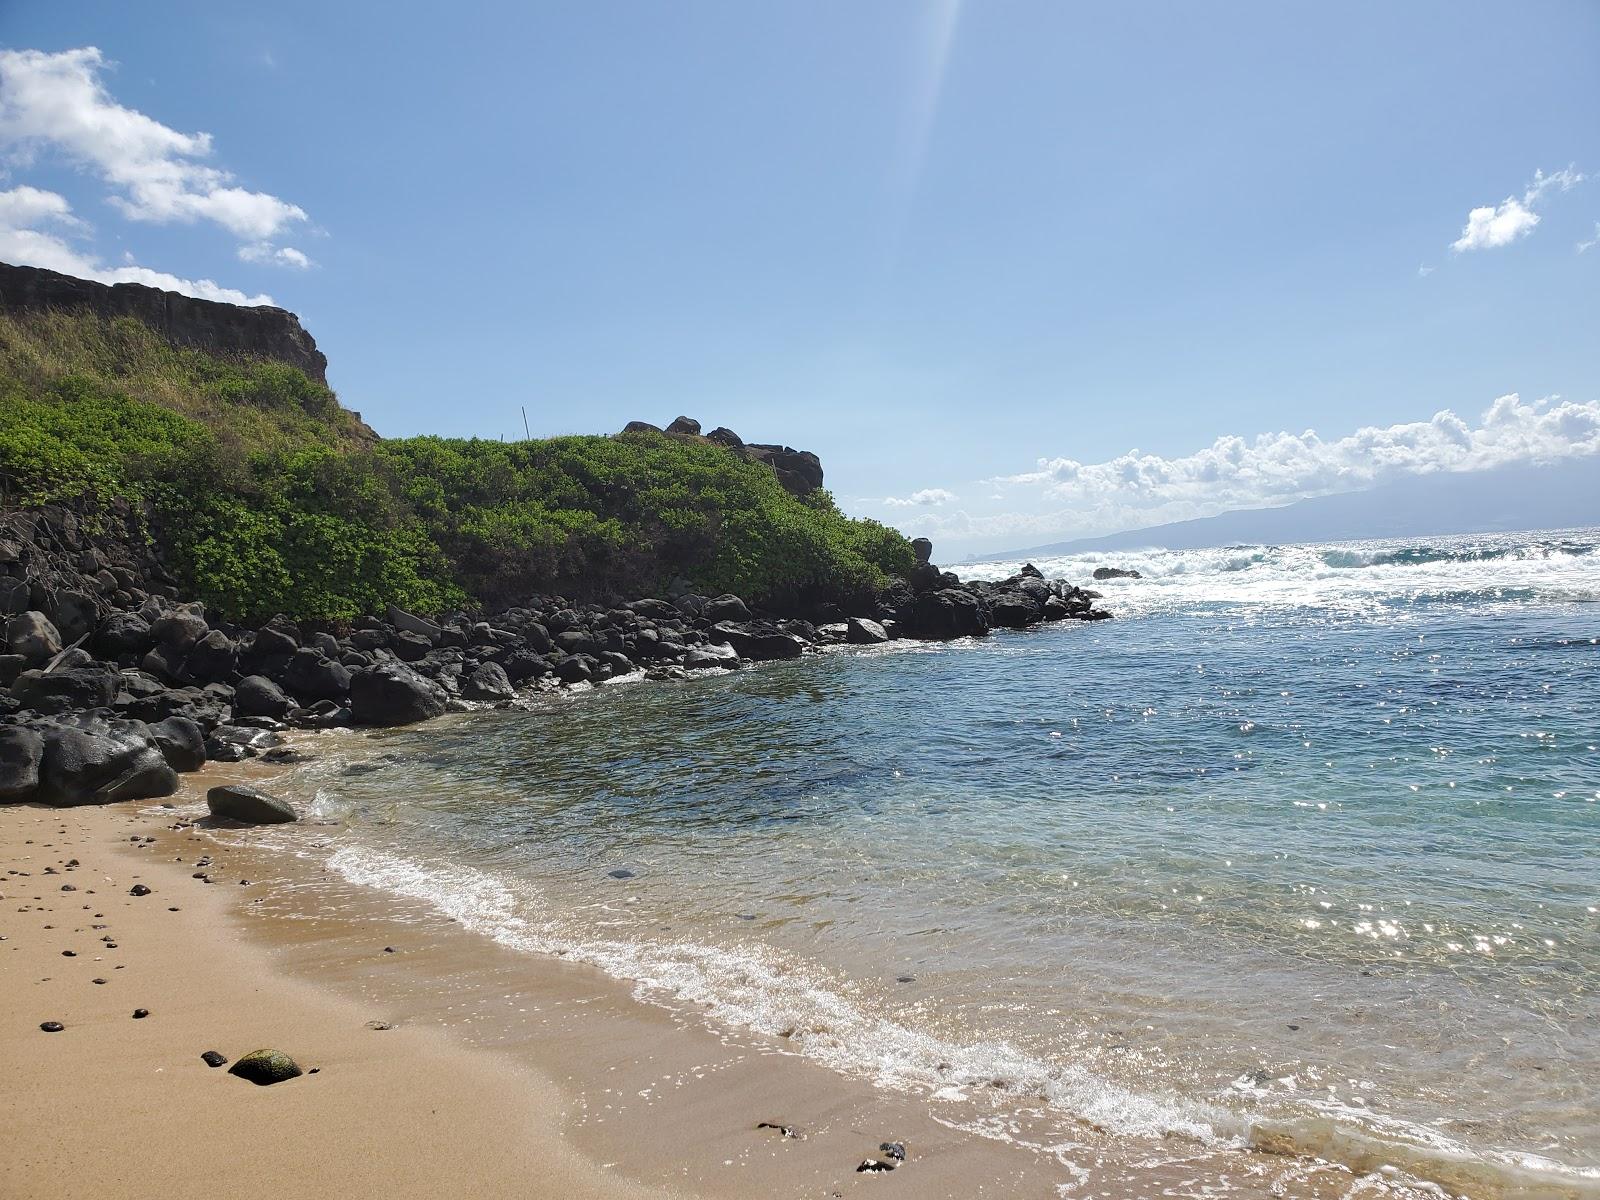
(265, 1066)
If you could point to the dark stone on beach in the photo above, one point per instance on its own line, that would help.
(51, 1026)
(260, 696)
(725, 608)
(179, 629)
(874, 1166)
(100, 761)
(393, 695)
(123, 635)
(407, 623)
(410, 647)
(1116, 573)
(273, 641)
(1015, 610)
(212, 659)
(235, 743)
(788, 1131)
(21, 752)
(620, 873)
(894, 1150)
(948, 613)
(63, 690)
(861, 631)
(488, 682)
(760, 641)
(140, 1014)
(182, 743)
(34, 636)
(576, 668)
(311, 675)
(138, 889)
(265, 1067)
(213, 1059)
(380, 1025)
(240, 802)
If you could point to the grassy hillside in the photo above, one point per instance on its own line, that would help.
(266, 496)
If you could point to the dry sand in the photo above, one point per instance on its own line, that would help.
(499, 1074)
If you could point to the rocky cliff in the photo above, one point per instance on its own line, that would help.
(224, 329)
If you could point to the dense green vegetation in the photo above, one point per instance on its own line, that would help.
(266, 496)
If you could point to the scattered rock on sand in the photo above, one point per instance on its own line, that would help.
(874, 1166)
(788, 1131)
(241, 802)
(894, 1150)
(138, 889)
(213, 1059)
(51, 1026)
(264, 1067)
(140, 1014)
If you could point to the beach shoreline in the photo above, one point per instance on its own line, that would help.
(446, 1062)
(491, 1075)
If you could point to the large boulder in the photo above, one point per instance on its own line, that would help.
(1015, 610)
(179, 629)
(182, 743)
(212, 659)
(311, 675)
(1116, 573)
(123, 634)
(798, 471)
(685, 425)
(860, 631)
(488, 682)
(240, 802)
(759, 641)
(948, 613)
(34, 636)
(393, 694)
(258, 696)
(64, 691)
(21, 752)
(725, 608)
(421, 626)
(98, 761)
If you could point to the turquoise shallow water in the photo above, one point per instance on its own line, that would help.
(1302, 851)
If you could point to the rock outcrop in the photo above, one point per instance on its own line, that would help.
(225, 329)
(799, 471)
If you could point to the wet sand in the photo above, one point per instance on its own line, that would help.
(498, 1073)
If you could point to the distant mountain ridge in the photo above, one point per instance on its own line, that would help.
(1554, 496)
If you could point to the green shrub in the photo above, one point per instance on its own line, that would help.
(267, 497)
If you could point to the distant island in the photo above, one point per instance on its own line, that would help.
(1560, 495)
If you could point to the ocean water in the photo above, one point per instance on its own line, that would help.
(1301, 853)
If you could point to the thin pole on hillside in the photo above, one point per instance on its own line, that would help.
(525, 434)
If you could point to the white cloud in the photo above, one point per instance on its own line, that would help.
(1424, 271)
(34, 229)
(58, 101)
(1501, 224)
(1064, 497)
(1585, 247)
(277, 256)
(926, 498)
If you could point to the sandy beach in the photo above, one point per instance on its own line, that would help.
(490, 1075)
(438, 1062)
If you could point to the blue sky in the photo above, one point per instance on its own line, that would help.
(974, 255)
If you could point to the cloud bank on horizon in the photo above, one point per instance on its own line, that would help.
(1061, 498)
(58, 104)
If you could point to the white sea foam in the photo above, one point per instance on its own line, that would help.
(757, 989)
(1344, 576)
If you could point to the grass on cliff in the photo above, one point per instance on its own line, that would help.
(266, 496)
